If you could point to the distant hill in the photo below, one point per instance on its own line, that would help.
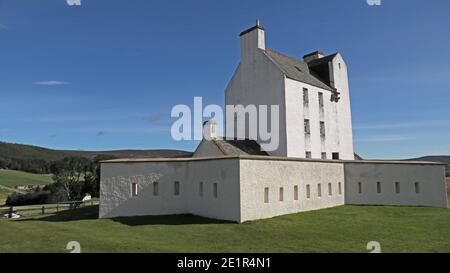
(29, 152)
(435, 158)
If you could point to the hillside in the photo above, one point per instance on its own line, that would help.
(435, 158)
(29, 152)
(12, 178)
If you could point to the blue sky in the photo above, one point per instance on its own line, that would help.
(105, 75)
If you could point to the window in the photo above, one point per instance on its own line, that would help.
(324, 156)
(320, 99)
(215, 190)
(134, 189)
(359, 187)
(397, 187)
(319, 190)
(266, 195)
(417, 187)
(308, 155)
(307, 127)
(281, 194)
(339, 64)
(340, 188)
(295, 192)
(176, 188)
(308, 191)
(322, 129)
(200, 189)
(155, 188)
(330, 190)
(378, 187)
(305, 97)
(335, 156)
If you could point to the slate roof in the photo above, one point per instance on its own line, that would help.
(296, 69)
(239, 147)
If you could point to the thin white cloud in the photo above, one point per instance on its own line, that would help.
(384, 138)
(412, 124)
(51, 83)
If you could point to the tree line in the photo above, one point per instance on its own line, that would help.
(73, 178)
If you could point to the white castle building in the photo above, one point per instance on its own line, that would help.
(312, 167)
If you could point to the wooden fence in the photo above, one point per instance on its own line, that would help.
(35, 210)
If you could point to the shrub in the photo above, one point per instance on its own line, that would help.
(32, 198)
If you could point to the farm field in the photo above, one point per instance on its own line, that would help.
(340, 229)
(13, 178)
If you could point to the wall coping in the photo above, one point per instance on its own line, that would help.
(267, 158)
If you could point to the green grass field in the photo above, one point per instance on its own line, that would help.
(12, 178)
(340, 229)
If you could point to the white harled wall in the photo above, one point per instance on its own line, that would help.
(431, 179)
(296, 113)
(242, 181)
(256, 175)
(117, 178)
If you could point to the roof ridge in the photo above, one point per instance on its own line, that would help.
(287, 56)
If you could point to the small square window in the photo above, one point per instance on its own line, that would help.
(308, 155)
(324, 155)
(335, 156)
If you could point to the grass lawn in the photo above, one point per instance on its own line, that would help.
(340, 229)
(12, 178)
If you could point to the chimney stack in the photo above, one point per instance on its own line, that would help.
(252, 40)
(313, 56)
(210, 130)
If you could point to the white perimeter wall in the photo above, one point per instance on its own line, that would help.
(431, 180)
(116, 180)
(242, 182)
(259, 174)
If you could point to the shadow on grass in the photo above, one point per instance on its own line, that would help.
(180, 219)
(86, 213)
(91, 213)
